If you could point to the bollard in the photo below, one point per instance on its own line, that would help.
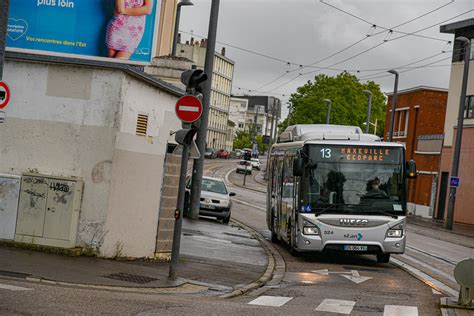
(464, 275)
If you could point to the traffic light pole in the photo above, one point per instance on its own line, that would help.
(4, 5)
(198, 165)
(457, 146)
(178, 223)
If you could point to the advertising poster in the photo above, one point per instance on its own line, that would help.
(111, 29)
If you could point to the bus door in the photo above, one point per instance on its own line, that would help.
(287, 196)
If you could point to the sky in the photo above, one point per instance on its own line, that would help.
(364, 37)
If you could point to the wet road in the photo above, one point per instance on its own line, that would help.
(355, 285)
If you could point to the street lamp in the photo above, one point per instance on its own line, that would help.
(457, 146)
(328, 114)
(369, 109)
(394, 101)
(374, 125)
(176, 24)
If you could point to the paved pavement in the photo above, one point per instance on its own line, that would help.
(220, 258)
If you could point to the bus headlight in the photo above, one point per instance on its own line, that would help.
(395, 233)
(310, 230)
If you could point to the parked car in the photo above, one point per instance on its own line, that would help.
(215, 199)
(256, 164)
(210, 153)
(223, 154)
(244, 166)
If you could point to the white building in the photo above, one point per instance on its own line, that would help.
(217, 133)
(88, 141)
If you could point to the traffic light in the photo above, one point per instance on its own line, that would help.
(185, 136)
(193, 79)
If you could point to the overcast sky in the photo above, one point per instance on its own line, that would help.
(305, 31)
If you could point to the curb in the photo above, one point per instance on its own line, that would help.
(275, 269)
(439, 229)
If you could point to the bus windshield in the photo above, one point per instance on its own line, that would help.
(354, 179)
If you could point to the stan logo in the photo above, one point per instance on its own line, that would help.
(359, 236)
(353, 222)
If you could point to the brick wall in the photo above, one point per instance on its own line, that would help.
(426, 116)
(169, 195)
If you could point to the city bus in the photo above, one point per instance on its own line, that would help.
(334, 188)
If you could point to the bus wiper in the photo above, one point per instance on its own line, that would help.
(327, 209)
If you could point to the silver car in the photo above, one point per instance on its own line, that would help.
(215, 199)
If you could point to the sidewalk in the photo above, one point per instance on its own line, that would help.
(214, 257)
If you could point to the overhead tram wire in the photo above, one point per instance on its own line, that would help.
(370, 48)
(373, 47)
(391, 29)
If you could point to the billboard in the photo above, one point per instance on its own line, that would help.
(111, 29)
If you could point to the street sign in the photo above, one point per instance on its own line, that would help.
(188, 109)
(454, 182)
(4, 95)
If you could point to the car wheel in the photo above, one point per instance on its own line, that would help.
(226, 220)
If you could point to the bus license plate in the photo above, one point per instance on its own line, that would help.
(355, 248)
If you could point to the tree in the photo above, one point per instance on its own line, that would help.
(243, 139)
(349, 103)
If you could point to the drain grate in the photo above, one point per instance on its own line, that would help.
(133, 278)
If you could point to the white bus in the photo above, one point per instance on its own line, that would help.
(335, 188)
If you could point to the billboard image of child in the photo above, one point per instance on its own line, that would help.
(92, 29)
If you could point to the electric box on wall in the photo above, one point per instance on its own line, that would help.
(48, 210)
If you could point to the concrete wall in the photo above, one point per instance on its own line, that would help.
(61, 121)
(137, 172)
(81, 122)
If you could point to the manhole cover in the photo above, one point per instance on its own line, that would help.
(133, 278)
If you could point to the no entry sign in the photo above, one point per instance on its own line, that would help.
(188, 109)
(4, 95)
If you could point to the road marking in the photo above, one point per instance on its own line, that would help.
(13, 288)
(275, 301)
(395, 310)
(354, 275)
(356, 278)
(336, 306)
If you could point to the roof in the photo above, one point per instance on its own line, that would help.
(419, 88)
(128, 69)
(451, 28)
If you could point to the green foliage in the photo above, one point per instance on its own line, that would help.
(349, 103)
(243, 139)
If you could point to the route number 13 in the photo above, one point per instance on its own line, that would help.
(325, 153)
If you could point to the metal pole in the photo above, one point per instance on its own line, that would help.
(176, 29)
(328, 113)
(198, 164)
(457, 147)
(369, 109)
(179, 214)
(4, 5)
(394, 102)
(254, 149)
(270, 143)
(375, 127)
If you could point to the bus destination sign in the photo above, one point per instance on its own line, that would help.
(358, 154)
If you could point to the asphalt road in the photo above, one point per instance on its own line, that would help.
(316, 285)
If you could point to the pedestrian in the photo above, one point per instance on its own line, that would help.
(125, 29)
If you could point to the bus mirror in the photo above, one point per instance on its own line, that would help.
(298, 167)
(411, 169)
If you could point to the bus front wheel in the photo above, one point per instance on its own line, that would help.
(383, 258)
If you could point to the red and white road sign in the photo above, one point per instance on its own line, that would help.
(4, 95)
(188, 109)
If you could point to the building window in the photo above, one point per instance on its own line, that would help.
(469, 107)
(400, 128)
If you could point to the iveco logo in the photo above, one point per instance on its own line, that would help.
(353, 221)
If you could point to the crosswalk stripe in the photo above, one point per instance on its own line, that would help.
(336, 306)
(395, 310)
(13, 288)
(275, 301)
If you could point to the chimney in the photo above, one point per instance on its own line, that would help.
(192, 40)
(204, 43)
(179, 38)
(223, 51)
(187, 42)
